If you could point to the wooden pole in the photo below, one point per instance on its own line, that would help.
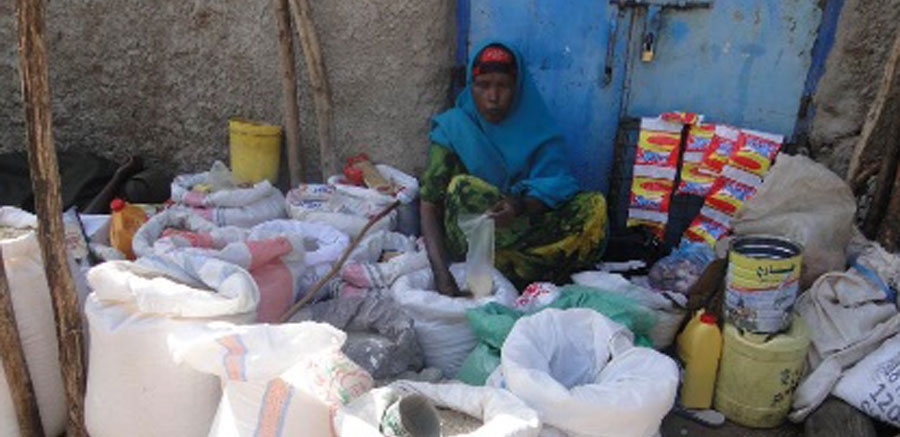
(14, 365)
(289, 85)
(880, 128)
(880, 142)
(48, 205)
(318, 80)
(340, 263)
(889, 231)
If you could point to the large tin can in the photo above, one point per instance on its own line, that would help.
(762, 283)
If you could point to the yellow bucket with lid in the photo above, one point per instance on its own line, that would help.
(255, 150)
(759, 373)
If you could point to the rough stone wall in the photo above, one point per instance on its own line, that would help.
(161, 78)
(853, 72)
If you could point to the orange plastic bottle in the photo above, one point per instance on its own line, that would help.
(700, 347)
(126, 220)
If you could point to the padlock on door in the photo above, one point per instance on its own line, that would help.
(648, 47)
(651, 30)
(653, 20)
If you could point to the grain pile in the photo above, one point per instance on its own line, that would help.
(455, 423)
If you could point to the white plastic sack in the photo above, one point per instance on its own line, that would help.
(279, 380)
(285, 257)
(873, 384)
(536, 296)
(407, 186)
(440, 321)
(324, 245)
(848, 318)
(380, 337)
(581, 372)
(479, 231)
(366, 275)
(274, 259)
(348, 207)
(667, 306)
(374, 244)
(841, 309)
(243, 207)
(144, 240)
(503, 414)
(343, 208)
(135, 387)
(804, 201)
(406, 217)
(182, 193)
(32, 306)
(269, 208)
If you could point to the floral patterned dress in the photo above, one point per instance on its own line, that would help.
(548, 247)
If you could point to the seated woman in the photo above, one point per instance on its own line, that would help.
(499, 151)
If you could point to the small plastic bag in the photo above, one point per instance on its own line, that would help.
(220, 178)
(479, 231)
(682, 268)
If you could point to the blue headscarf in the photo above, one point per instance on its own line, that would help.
(521, 155)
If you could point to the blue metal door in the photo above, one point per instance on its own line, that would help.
(565, 45)
(739, 62)
(742, 62)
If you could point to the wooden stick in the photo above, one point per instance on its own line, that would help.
(881, 124)
(880, 136)
(48, 205)
(318, 80)
(14, 365)
(889, 233)
(340, 263)
(289, 84)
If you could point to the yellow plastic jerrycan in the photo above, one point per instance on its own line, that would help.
(255, 150)
(699, 347)
(125, 221)
(759, 373)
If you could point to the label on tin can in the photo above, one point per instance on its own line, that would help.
(762, 283)
(760, 310)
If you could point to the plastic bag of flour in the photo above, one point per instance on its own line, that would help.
(479, 231)
(440, 321)
(583, 375)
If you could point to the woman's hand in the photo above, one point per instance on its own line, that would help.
(433, 231)
(505, 211)
(446, 285)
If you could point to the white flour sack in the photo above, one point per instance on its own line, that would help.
(135, 386)
(242, 207)
(31, 303)
(873, 384)
(440, 321)
(582, 373)
(501, 413)
(279, 380)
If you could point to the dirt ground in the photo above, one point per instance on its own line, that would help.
(677, 426)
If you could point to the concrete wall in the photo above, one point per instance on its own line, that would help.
(161, 78)
(865, 33)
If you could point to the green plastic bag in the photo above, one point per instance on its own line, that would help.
(621, 309)
(479, 365)
(493, 322)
